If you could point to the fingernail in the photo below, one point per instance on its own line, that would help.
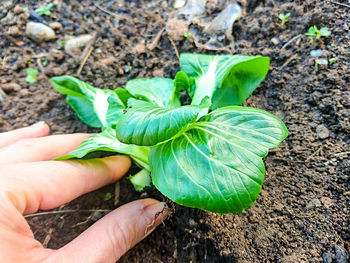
(156, 214)
(39, 123)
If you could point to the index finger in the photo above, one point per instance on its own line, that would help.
(47, 185)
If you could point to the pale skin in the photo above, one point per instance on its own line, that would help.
(30, 180)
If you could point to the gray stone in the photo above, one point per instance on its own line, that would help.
(340, 254)
(275, 41)
(322, 131)
(327, 257)
(313, 203)
(39, 32)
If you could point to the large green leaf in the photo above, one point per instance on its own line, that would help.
(216, 164)
(160, 91)
(225, 79)
(106, 141)
(95, 107)
(145, 123)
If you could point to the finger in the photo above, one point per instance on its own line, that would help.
(39, 129)
(46, 185)
(41, 149)
(113, 235)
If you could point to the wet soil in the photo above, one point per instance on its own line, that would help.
(303, 211)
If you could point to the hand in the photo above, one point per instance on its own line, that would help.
(29, 181)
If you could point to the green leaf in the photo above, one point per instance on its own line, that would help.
(95, 107)
(32, 72)
(216, 164)
(140, 180)
(106, 141)
(225, 79)
(145, 123)
(183, 82)
(160, 91)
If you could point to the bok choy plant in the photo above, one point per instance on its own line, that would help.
(206, 155)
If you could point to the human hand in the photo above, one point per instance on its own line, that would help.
(29, 181)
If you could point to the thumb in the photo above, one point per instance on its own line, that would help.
(113, 235)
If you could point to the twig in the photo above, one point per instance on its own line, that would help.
(290, 41)
(289, 60)
(341, 153)
(109, 12)
(83, 222)
(116, 193)
(67, 211)
(84, 61)
(312, 155)
(174, 46)
(337, 3)
(41, 67)
(155, 41)
(48, 238)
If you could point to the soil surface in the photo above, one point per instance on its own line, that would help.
(303, 211)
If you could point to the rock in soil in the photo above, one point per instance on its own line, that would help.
(176, 29)
(77, 42)
(340, 254)
(322, 132)
(39, 32)
(9, 87)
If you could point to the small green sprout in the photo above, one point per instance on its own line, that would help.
(331, 60)
(107, 196)
(60, 44)
(31, 75)
(317, 34)
(44, 10)
(283, 18)
(45, 62)
(187, 35)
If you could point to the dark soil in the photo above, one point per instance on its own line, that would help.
(303, 212)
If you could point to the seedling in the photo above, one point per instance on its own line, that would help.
(60, 44)
(314, 33)
(187, 35)
(107, 196)
(331, 60)
(31, 75)
(44, 10)
(283, 18)
(206, 155)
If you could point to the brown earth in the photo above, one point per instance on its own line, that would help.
(302, 214)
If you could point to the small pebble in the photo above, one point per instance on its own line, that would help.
(326, 201)
(275, 41)
(56, 26)
(33, 16)
(322, 132)
(176, 28)
(39, 32)
(192, 223)
(14, 31)
(340, 254)
(18, 9)
(327, 257)
(77, 42)
(158, 73)
(313, 203)
(11, 87)
(139, 49)
(179, 3)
